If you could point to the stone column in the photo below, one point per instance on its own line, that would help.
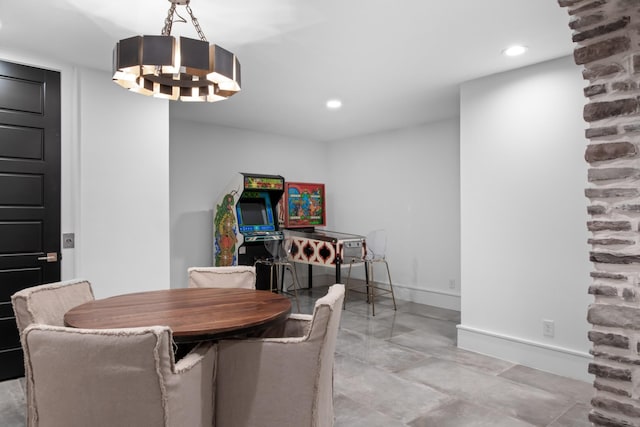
(607, 37)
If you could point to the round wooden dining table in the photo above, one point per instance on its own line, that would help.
(193, 314)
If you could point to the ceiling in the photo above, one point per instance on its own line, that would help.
(393, 63)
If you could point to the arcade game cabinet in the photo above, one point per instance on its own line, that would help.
(245, 224)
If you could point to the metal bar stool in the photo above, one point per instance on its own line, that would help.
(280, 262)
(376, 243)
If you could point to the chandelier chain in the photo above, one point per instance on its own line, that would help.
(196, 24)
(168, 21)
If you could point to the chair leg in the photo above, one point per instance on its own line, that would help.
(371, 289)
(372, 286)
(393, 297)
(296, 284)
(346, 287)
(271, 266)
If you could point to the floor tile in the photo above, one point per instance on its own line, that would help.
(470, 359)
(425, 340)
(520, 401)
(375, 352)
(351, 413)
(462, 413)
(578, 391)
(12, 403)
(530, 404)
(576, 416)
(392, 395)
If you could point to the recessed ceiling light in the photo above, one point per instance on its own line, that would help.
(334, 104)
(514, 50)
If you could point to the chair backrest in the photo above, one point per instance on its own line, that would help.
(48, 303)
(376, 242)
(123, 377)
(325, 324)
(279, 249)
(293, 360)
(240, 276)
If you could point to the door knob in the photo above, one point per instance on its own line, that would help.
(51, 257)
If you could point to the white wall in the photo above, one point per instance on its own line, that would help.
(407, 182)
(523, 217)
(114, 183)
(123, 234)
(203, 160)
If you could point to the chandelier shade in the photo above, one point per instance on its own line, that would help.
(178, 69)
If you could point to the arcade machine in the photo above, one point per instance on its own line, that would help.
(301, 209)
(245, 226)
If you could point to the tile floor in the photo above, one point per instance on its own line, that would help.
(402, 368)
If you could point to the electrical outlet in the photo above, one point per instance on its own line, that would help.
(548, 328)
(68, 241)
(452, 283)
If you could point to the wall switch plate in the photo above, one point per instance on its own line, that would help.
(548, 328)
(452, 283)
(68, 241)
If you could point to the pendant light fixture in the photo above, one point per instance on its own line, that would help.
(182, 69)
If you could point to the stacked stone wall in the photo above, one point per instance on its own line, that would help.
(607, 37)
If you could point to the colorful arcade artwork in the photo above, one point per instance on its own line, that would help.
(225, 232)
(303, 205)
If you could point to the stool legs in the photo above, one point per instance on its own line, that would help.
(278, 265)
(294, 277)
(372, 288)
(370, 284)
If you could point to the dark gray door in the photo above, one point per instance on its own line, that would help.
(29, 193)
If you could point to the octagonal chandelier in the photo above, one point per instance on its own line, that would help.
(184, 69)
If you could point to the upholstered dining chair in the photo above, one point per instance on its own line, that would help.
(116, 377)
(239, 276)
(294, 360)
(49, 302)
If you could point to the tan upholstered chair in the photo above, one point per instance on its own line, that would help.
(48, 303)
(285, 379)
(240, 276)
(116, 377)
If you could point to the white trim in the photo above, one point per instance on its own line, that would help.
(557, 360)
(428, 296)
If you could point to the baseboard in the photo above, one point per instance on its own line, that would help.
(556, 360)
(428, 296)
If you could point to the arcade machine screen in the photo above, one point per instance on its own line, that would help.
(254, 213)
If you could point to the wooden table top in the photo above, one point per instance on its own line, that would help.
(193, 314)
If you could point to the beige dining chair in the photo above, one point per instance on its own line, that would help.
(239, 276)
(49, 302)
(116, 377)
(285, 378)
